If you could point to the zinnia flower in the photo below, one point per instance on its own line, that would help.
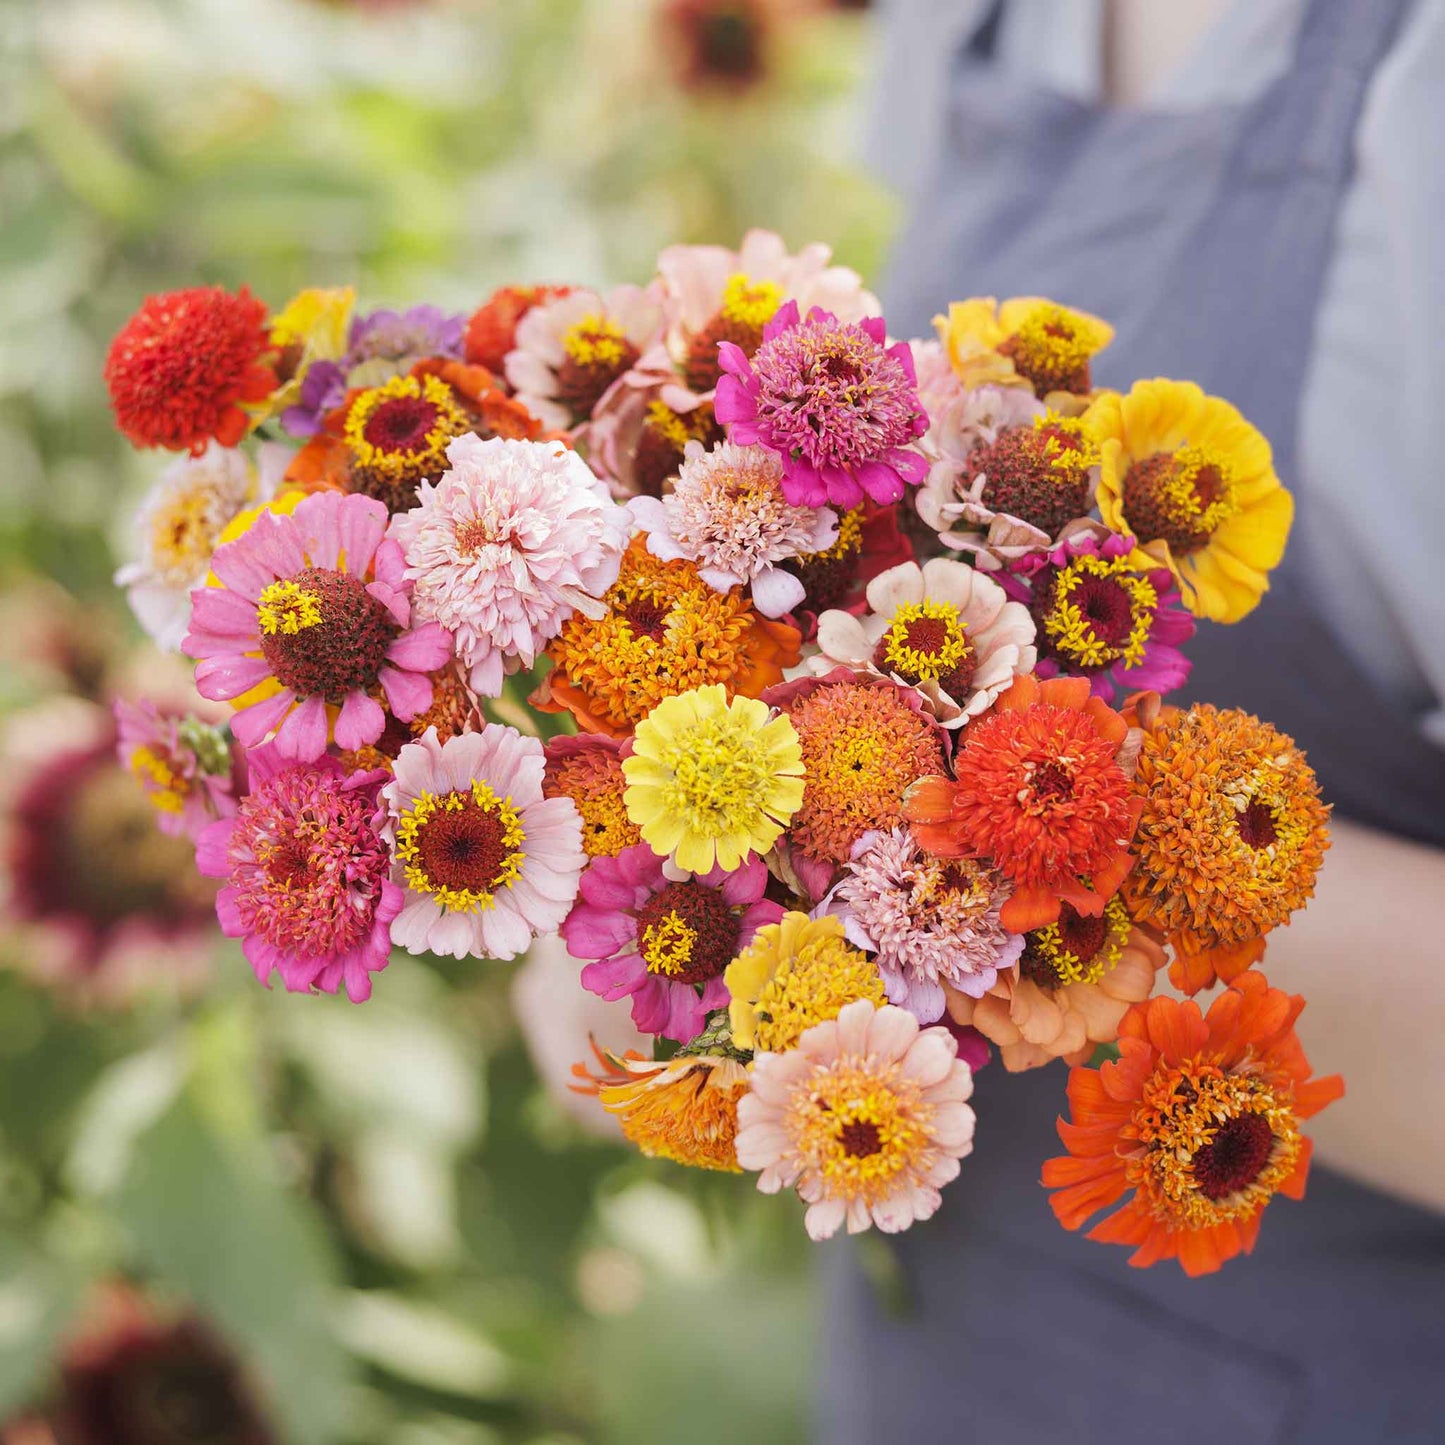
(663, 631)
(942, 628)
(571, 349)
(1188, 476)
(712, 781)
(1231, 837)
(865, 741)
(795, 973)
(1028, 341)
(587, 767)
(1197, 1123)
(182, 368)
(312, 617)
(685, 1110)
(867, 1119)
(714, 294)
(514, 538)
(310, 330)
(306, 874)
(1040, 786)
(837, 404)
(663, 936)
(930, 922)
(179, 526)
(1102, 615)
(488, 863)
(1072, 984)
(727, 514)
(184, 765)
(492, 330)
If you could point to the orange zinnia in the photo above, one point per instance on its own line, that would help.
(1197, 1122)
(1039, 787)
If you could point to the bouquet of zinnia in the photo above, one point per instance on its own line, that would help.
(811, 684)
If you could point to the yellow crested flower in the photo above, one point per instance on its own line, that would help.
(1194, 482)
(710, 781)
(312, 326)
(796, 973)
(685, 1110)
(1027, 341)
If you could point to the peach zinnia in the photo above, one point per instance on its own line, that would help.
(1195, 1127)
(1041, 787)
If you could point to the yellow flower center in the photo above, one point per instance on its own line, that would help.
(667, 944)
(1069, 447)
(750, 303)
(1052, 348)
(925, 641)
(166, 788)
(287, 608)
(809, 986)
(462, 848)
(183, 534)
(596, 340)
(721, 779)
(1075, 620)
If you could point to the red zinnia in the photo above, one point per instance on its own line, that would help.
(492, 331)
(1041, 790)
(180, 368)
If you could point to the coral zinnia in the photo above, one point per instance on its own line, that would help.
(795, 973)
(685, 1110)
(663, 631)
(663, 936)
(312, 618)
(1197, 1123)
(711, 782)
(306, 870)
(487, 861)
(838, 405)
(1188, 476)
(181, 369)
(587, 768)
(1232, 835)
(1041, 789)
(867, 1118)
(514, 538)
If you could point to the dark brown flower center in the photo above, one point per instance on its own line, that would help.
(1257, 826)
(1029, 476)
(465, 848)
(1153, 513)
(580, 383)
(1234, 1158)
(688, 932)
(860, 1138)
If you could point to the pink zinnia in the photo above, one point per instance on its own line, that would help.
(929, 921)
(514, 538)
(488, 863)
(183, 765)
(836, 402)
(664, 936)
(314, 608)
(306, 869)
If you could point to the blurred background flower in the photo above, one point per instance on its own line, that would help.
(228, 1215)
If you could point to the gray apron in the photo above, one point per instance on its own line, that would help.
(1203, 236)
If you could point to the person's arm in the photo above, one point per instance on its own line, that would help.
(1368, 953)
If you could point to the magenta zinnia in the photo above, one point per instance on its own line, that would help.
(837, 403)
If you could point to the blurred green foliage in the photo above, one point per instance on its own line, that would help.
(404, 1235)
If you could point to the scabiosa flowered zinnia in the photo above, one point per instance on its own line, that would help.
(514, 538)
(930, 922)
(183, 368)
(834, 400)
(867, 1118)
(487, 861)
(307, 874)
(1195, 1127)
(727, 514)
(1102, 615)
(312, 617)
(663, 936)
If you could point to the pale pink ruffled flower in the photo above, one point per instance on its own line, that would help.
(868, 1083)
(943, 628)
(514, 538)
(929, 921)
(728, 515)
(570, 350)
(487, 862)
(316, 605)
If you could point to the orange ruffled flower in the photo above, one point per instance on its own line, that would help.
(1040, 786)
(492, 330)
(1230, 840)
(664, 632)
(1197, 1123)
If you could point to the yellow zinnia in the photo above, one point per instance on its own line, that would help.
(794, 974)
(1194, 482)
(711, 781)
